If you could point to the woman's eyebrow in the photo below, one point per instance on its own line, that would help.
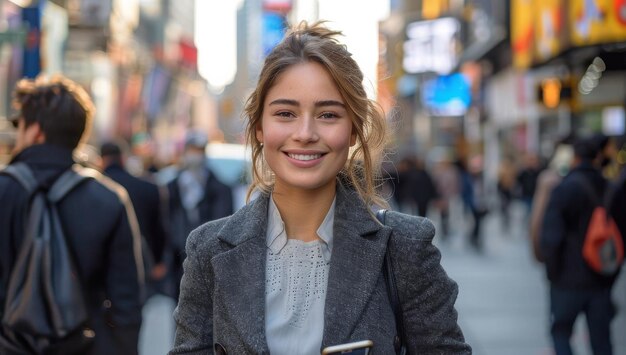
(322, 103)
(284, 102)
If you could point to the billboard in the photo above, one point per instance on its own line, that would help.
(432, 46)
(274, 26)
(447, 95)
(598, 21)
(550, 32)
(543, 29)
(31, 62)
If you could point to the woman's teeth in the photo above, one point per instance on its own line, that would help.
(305, 156)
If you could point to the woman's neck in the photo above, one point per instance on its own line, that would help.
(303, 211)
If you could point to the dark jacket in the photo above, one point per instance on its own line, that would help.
(563, 231)
(216, 203)
(222, 298)
(146, 201)
(98, 229)
(416, 185)
(618, 203)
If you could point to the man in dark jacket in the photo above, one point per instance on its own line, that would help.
(146, 200)
(416, 188)
(196, 196)
(574, 287)
(618, 203)
(100, 229)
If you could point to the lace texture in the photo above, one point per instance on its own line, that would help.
(299, 275)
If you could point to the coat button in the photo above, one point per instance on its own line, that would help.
(219, 349)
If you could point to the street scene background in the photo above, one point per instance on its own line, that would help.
(485, 87)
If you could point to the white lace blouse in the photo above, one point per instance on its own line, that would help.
(295, 286)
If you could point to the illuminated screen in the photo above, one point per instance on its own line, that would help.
(447, 95)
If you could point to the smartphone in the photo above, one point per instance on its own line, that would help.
(362, 347)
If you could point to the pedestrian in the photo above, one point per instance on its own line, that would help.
(299, 268)
(506, 186)
(55, 116)
(618, 202)
(560, 164)
(527, 181)
(574, 287)
(146, 201)
(196, 196)
(446, 177)
(416, 186)
(473, 197)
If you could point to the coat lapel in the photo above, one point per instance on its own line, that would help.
(359, 245)
(240, 273)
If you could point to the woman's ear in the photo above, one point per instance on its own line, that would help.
(353, 138)
(259, 134)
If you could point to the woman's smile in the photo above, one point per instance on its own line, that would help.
(306, 128)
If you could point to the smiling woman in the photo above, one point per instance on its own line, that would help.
(306, 130)
(278, 276)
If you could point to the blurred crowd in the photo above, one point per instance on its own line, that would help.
(431, 187)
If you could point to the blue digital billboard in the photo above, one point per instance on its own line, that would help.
(447, 95)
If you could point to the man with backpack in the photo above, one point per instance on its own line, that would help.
(579, 283)
(88, 297)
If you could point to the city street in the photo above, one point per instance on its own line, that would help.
(502, 301)
(503, 294)
(169, 110)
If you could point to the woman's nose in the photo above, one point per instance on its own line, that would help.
(306, 130)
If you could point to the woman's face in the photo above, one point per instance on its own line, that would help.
(306, 129)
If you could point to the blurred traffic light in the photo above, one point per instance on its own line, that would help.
(552, 91)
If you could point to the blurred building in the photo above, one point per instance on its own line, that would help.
(492, 78)
(440, 55)
(137, 59)
(567, 73)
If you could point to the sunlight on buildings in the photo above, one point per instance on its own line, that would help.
(216, 40)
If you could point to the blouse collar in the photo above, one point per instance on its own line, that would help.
(277, 236)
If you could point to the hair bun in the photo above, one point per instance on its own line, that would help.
(316, 29)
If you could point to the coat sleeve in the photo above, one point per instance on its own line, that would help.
(124, 288)
(617, 205)
(194, 313)
(545, 184)
(553, 232)
(427, 294)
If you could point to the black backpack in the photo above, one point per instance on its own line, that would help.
(45, 310)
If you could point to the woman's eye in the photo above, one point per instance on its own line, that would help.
(284, 114)
(328, 115)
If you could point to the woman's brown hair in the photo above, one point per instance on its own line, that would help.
(316, 43)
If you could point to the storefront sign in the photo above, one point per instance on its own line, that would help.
(598, 21)
(32, 57)
(522, 33)
(543, 29)
(431, 46)
(549, 29)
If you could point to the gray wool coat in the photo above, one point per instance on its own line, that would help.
(222, 298)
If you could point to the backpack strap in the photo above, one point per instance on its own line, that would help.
(23, 174)
(65, 183)
(62, 185)
(392, 290)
